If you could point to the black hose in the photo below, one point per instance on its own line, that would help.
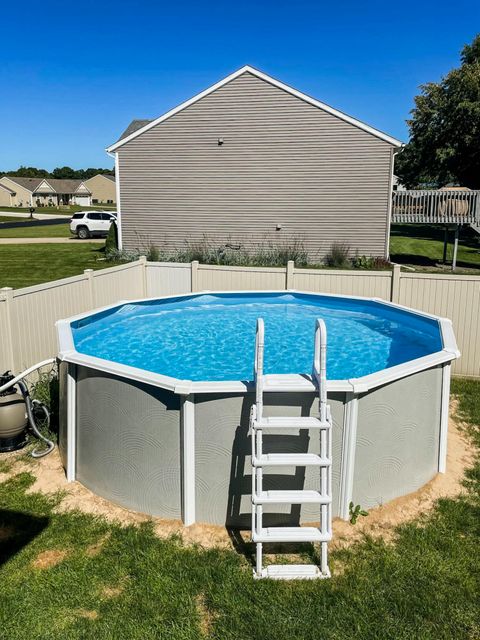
(33, 425)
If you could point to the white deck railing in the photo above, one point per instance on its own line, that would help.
(436, 206)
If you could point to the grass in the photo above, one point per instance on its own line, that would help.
(9, 219)
(74, 576)
(25, 265)
(421, 246)
(40, 231)
(62, 210)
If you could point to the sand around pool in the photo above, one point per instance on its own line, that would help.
(381, 521)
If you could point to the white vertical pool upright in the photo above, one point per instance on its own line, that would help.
(261, 460)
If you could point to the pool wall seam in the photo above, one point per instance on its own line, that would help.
(349, 444)
(187, 434)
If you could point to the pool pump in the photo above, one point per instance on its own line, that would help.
(20, 415)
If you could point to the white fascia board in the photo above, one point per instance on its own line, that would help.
(276, 83)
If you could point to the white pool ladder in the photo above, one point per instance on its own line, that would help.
(323, 461)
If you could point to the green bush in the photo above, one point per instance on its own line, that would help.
(111, 243)
(338, 256)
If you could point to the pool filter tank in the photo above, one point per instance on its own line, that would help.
(19, 415)
(13, 419)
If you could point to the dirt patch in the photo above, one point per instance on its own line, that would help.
(94, 549)
(206, 616)
(49, 559)
(381, 521)
(114, 591)
(85, 613)
(111, 592)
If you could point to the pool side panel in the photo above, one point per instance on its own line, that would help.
(128, 442)
(223, 453)
(398, 434)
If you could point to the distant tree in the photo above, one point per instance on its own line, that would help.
(58, 172)
(66, 173)
(28, 172)
(444, 141)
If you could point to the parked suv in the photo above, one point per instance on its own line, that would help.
(86, 224)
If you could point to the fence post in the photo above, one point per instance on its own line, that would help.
(290, 273)
(194, 270)
(395, 290)
(91, 291)
(6, 293)
(143, 275)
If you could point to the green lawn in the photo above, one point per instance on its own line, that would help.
(76, 577)
(29, 264)
(421, 246)
(43, 231)
(9, 219)
(65, 211)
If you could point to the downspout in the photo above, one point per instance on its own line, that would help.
(393, 153)
(117, 196)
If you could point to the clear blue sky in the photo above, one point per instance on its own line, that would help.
(73, 75)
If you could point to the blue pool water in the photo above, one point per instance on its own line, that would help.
(212, 337)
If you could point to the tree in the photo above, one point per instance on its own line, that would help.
(66, 173)
(444, 141)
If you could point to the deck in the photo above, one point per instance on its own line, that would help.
(437, 206)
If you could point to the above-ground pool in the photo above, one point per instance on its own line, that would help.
(212, 337)
(156, 396)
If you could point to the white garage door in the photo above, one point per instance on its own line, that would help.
(83, 201)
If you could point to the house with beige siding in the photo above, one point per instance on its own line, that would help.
(103, 188)
(42, 192)
(251, 159)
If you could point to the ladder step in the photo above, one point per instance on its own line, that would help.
(290, 459)
(290, 497)
(292, 572)
(287, 382)
(308, 422)
(290, 534)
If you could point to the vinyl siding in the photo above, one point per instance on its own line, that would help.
(283, 162)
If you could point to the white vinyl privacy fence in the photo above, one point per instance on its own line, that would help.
(28, 316)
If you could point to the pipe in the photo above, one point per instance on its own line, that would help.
(25, 373)
(29, 403)
(33, 425)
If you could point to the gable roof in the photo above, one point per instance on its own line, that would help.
(27, 183)
(135, 132)
(56, 185)
(134, 126)
(4, 186)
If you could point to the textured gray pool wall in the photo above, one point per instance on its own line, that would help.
(223, 453)
(398, 434)
(128, 442)
(128, 446)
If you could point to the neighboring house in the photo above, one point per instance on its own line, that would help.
(251, 159)
(102, 187)
(42, 192)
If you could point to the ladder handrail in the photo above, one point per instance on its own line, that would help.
(320, 365)
(258, 366)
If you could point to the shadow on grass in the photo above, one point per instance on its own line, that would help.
(468, 237)
(17, 530)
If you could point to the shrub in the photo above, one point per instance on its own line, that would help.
(111, 243)
(375, 263)
(153, 254)
(338, 256)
